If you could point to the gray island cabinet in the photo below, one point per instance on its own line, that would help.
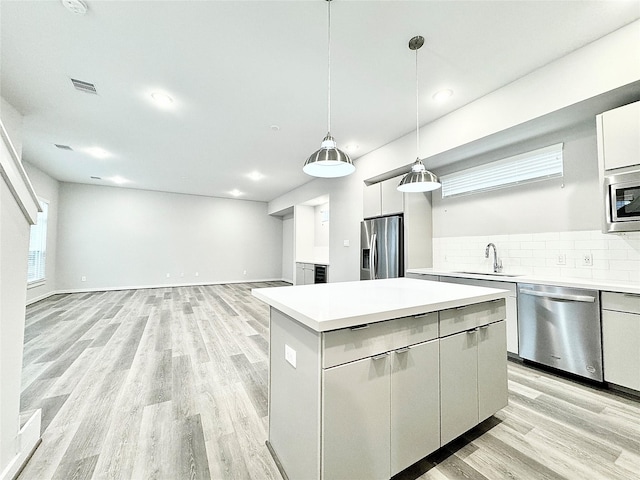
(366, 378)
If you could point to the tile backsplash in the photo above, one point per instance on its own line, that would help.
(558, 254)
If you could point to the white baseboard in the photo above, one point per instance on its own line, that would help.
(141, 287)
(28, 440)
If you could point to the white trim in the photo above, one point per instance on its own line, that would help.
(15, 176)
(142, 287)
(27, 441)
(36, 283)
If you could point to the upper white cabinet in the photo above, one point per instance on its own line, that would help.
(382, 199)
(619, 137)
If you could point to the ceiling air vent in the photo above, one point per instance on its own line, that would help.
(63, 147)
(84, 86)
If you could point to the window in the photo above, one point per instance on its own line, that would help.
(38, 246)
(527, 167)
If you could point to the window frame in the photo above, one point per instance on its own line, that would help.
(41, 230)
(532, 166)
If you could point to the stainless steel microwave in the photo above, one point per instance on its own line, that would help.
(622, 202)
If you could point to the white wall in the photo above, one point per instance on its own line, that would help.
(12, 121)
(18, 210)
(304, 235)
(287, 248)
(562, 204)
(321, 234)
(46, 188)
(119, 238)
(14, 241)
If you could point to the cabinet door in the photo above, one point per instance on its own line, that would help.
(512, 323)
(371, 203)
(458, 384)
(299, 273)
(415, 404)
(392, 200)
(308, 273)
(355, 412)
(492, 369)
(621, 136)
(621, 348)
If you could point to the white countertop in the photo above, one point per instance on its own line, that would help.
(606, 285)
(329, 306)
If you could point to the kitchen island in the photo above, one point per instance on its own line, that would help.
(366, 378)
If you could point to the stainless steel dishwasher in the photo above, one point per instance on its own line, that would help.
(560, 327)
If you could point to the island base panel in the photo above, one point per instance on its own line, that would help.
(294, 397)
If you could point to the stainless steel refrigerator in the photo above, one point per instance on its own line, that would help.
(382, 248)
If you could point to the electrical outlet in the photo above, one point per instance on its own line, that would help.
(290, 355)
(561, 259)
(197, 274)
(345, 243)
(168, 275)
(587, 260)
(244, 272)
(83, 278)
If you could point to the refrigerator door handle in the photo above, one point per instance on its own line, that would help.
(374, 260)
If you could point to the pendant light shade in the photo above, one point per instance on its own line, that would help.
(419, 179)
(329, 161)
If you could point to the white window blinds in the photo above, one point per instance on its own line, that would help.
(38, 246)
(527, 167)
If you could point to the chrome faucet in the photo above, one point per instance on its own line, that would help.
(497, 264)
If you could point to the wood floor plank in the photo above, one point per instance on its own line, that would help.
(172, 383)
(154, 454)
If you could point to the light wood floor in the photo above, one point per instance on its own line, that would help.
(171, 384)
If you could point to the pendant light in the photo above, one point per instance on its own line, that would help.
(329, 161)
(419, 179)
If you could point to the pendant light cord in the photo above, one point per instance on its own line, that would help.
(329, 68)
(417, 111)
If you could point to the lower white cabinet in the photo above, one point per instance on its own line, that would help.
(381, 414)
(356, 413)
(415, 404)
(368, 401)
(473, 380)
(305, 273)
(621, 339)
(512, 304)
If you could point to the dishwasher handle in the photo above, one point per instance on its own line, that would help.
(559, 296)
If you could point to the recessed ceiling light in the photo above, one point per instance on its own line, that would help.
(352, 147)
(442, 95)
(97, 152)
(162, 99)
(255, 176)
(118, 180)
(75, 6)
(235, 192)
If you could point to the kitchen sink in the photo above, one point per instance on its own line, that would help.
(496, 274)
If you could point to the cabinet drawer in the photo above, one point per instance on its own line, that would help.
(620, 302)
(349, 344)
(411, 330)
(460, 319)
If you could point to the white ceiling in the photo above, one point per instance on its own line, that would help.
(235, 68)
